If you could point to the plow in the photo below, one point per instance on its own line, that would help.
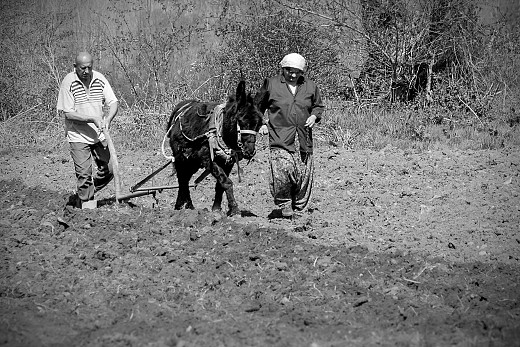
(137, 189)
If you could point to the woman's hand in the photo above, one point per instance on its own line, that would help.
(263, 130)
(310, 121)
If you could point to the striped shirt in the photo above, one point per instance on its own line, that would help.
(74, 97)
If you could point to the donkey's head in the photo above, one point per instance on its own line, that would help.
(248, 120)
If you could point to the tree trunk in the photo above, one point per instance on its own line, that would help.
(429, 97)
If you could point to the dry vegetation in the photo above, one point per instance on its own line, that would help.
(162, 52)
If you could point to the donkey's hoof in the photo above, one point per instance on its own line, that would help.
(233, 212)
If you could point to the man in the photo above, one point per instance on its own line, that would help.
(83, 94)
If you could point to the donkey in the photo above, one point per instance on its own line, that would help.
(213, 137)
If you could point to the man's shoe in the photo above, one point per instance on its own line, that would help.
(89, 205)
(287, 212)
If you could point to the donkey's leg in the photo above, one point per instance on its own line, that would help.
(217, 201)
(224, 184)
(230, 195)
(221, 177)
(232, 204)
(184, 174)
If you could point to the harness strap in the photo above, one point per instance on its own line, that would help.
(212, 147)
(238, 168)
(218, 122)
(252, 132)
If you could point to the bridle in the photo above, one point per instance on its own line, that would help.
(241, 132)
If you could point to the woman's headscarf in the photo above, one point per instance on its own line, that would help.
(293, 60)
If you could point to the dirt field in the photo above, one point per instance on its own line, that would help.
(398, 248)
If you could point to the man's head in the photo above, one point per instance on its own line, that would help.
(83, 67)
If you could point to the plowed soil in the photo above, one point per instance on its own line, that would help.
(398, 248)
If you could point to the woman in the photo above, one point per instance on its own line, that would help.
(294, 105)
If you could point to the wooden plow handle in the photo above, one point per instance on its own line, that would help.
(115, 168)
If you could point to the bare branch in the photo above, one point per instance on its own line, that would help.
(474, 113)
(338, 24)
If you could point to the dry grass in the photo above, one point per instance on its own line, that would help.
(344, 125)
(374, 126)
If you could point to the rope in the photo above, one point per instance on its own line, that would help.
(168, 157)
(183, 110)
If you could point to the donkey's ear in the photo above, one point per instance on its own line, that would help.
(241, 93)
(262, 96)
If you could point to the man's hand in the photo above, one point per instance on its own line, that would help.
(310, 121)
(263, 130)
(99, 121)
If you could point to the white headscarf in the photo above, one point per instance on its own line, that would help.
(293, 60)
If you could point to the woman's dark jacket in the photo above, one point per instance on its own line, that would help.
(288, 113)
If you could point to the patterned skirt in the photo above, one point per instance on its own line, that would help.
(291, 178)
